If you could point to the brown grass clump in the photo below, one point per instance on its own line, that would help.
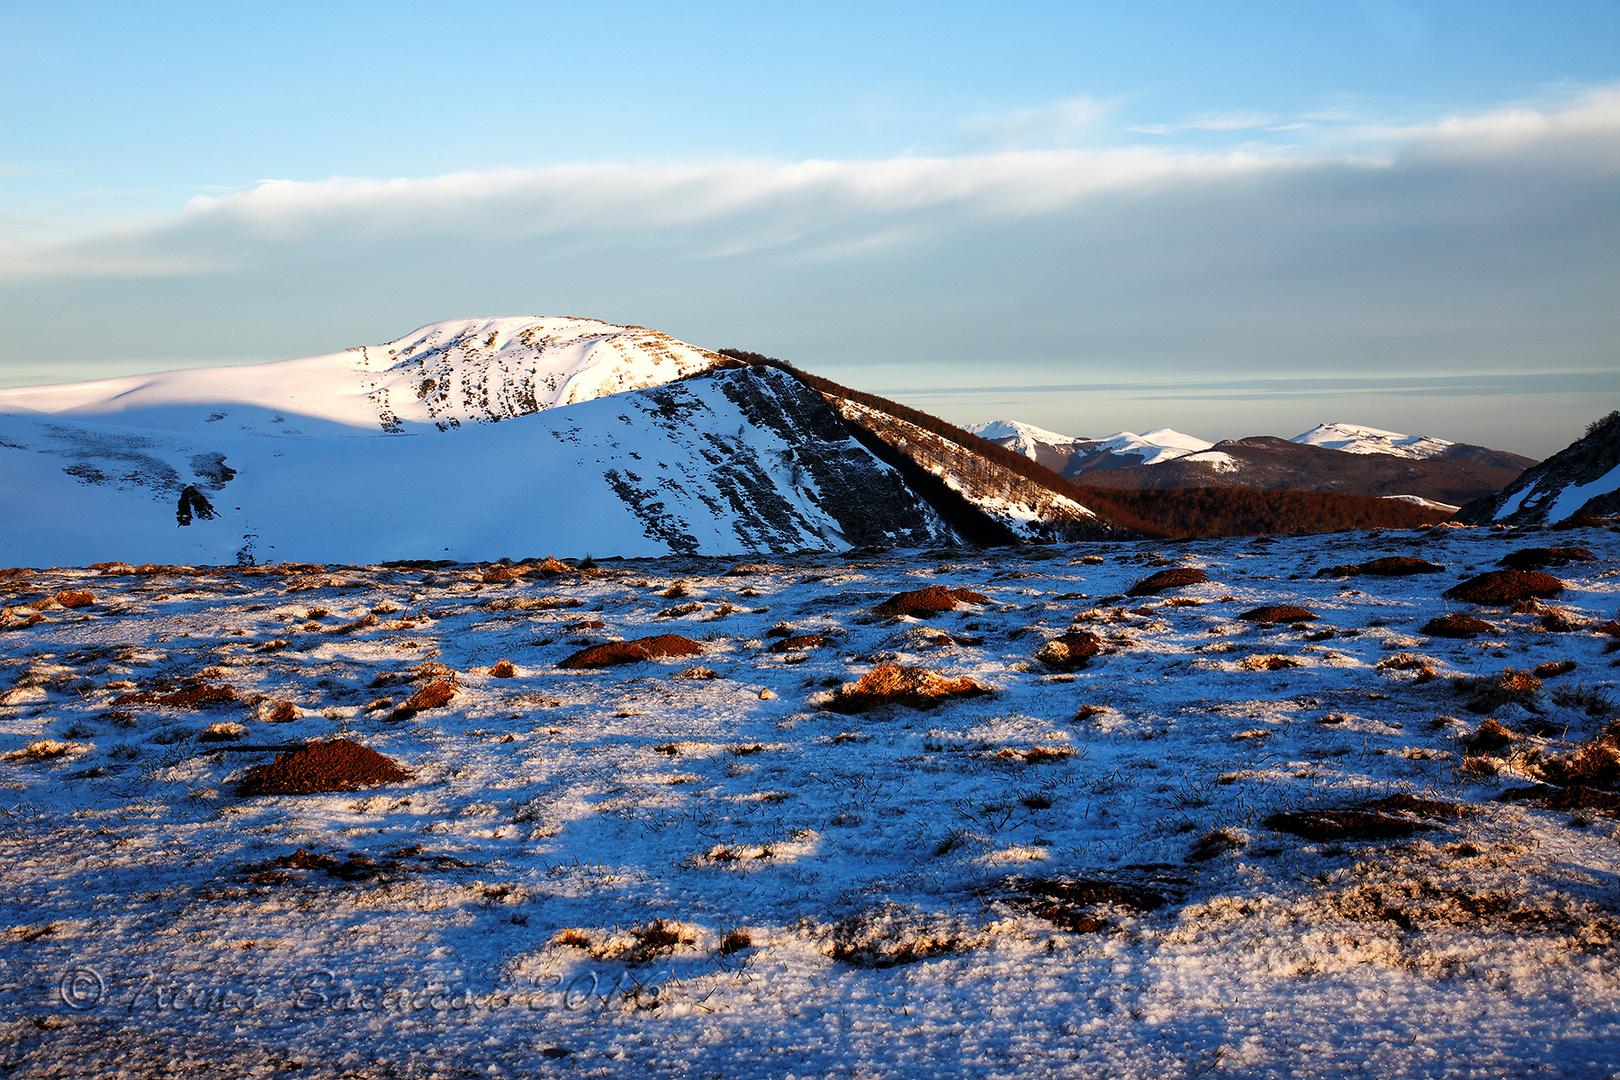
(1036, 755)
(497, 575)
(339, 765)
(1537, 557)
(1595, 763)
(1501, 587)
(1071, 651)
(1554, 668)
(1508, 686)
(632, 652)
(281, 712)
(503, 669)
(1154, 584)
(73, 598)
(550, 568)
(889, 935)
(1355, 824)
(1457, 625)
(223, 731)
(1268, 662)
(1078, 906)
(895, 684)
(1560, 621)
(1278, 613)
(735, 940)
(1574, 797)
(926, 603)
(1490, 737)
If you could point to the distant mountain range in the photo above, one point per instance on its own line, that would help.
(1345, 458)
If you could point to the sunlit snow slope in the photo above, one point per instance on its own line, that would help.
(727, 462)
(1355, 439)
(444, 374)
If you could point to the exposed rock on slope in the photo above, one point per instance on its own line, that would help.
(1583, 478)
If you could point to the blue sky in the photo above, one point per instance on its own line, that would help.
(1225, 218)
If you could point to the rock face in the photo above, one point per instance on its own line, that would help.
(1583, 478)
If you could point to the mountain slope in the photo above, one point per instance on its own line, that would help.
(443, 374)
(1583, 478)
(725, 462)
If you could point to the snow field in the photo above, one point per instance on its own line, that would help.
(563, 820)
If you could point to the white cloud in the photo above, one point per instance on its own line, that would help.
(1062, 123)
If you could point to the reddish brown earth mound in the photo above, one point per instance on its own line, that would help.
(1154, 584)
(1071, 651)
(192, 695)
(632, 652)
(1457, 626)
(1278, 613)
(72, 598)
(339, 765)
(1574, 797)
(800, 643)
(1498, 587)
(926, 603)
(1399, 566)
(503, 669)
(1537, 557)
(895, 684)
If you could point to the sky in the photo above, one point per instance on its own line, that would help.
(1230, 219)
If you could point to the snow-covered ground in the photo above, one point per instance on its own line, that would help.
(155, 923)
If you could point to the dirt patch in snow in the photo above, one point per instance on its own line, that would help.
(1278, 613)
(339, 765)
(1071, 651)
(1154, 584)
(926, 603)
(657, 647)
(1457, 625)
(1537, 558)
(1497, 587)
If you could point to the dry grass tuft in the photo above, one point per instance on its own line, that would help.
(1154, 584)
(503, 669)
(339, 765)
(1508, 686)
(1267, 662)
(223, 731)
(1554, 668)
(1078, 906)
(1501, 587)
(889, 935)
(43, 749)
(926, 603)
(1036, 755)
(896, 684)
(632, 652)
(1490, 737)
(281, 712)
(71, 598)
(1071, 651)
(800, 643)
(432, 696)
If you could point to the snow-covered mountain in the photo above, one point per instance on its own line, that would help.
(1348, 458)
(1355, 439)
(444, 374)
(616, 440)
(1070, 454)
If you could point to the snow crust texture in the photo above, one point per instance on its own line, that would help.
(1331, 845)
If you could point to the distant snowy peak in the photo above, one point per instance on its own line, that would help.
(1354, 439)
(443, 374)
(1161, 444)
(1152, 447)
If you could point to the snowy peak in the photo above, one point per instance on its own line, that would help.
(1355, 439)
(443, 374)
(1152, 447)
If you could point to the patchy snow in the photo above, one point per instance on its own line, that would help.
(1418, 500)
(1023, 438)
(1355, 439)
(159, 923)
(1217, 460)
(1571, 498)
(1152, 447)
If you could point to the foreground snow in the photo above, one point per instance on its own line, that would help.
(552, 816)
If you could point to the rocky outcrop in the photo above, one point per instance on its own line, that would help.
(1581, 479)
